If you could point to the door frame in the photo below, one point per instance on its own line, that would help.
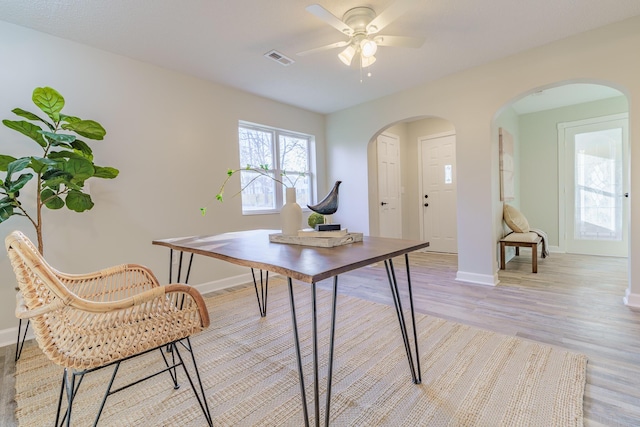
(420, 206)
(562, 127)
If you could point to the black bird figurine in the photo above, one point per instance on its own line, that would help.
(329, 205)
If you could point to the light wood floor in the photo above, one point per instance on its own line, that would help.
(573, 301)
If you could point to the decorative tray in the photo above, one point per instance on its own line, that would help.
(322, 242)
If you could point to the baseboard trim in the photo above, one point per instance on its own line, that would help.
(478, 279)
(228, 282)
(9, 336)
(631, 300)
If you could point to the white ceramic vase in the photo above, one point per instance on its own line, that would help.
(291, 214)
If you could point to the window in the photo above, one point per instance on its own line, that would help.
(287, 158)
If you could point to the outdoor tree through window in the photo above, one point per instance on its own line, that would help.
(285, 155)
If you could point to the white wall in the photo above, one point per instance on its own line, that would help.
(171, 136)
(471, 100)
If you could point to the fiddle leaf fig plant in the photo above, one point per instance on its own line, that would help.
(60, 171)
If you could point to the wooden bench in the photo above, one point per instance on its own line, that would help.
(521, 240)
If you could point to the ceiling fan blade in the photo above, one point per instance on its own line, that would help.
(329, 18)
(321, 48)
(389, 15)
(399, 41)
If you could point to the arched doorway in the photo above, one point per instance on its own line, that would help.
(564, 188)
(427, 194)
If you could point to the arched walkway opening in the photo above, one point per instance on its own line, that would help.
(571, 165)
(412, 182)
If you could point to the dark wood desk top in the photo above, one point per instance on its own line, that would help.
(305, 263)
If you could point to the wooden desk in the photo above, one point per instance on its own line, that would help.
(310, 265)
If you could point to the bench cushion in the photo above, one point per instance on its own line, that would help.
(529, 237)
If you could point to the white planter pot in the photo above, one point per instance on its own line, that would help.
(291, 214)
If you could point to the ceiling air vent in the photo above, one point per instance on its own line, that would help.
(280, 58)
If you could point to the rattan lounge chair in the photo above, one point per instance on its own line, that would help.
(110, 316)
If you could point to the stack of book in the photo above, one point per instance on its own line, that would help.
(310, 232)
(324, 239)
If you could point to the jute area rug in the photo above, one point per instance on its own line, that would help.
(471, 377)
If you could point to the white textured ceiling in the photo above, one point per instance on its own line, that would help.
(224, 40)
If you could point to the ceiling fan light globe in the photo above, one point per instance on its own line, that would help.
(346, 56)
(368, 47)
(365, 62)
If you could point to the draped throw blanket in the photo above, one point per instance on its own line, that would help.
(545, 246)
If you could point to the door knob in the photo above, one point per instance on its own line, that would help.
(383, 203)
(426, 204)
(426, 196)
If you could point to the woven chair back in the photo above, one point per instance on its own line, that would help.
(40, 288)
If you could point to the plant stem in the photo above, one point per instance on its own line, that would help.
(38, 223)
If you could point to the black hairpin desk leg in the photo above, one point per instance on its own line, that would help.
(414, 367)
(261, 294)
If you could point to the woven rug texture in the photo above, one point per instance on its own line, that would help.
(470, 377)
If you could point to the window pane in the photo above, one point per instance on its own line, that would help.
(258, 193)
(256, 147)
(284, 156)
(303, 198)
(293, 154)
(598, 184)
(448, 177)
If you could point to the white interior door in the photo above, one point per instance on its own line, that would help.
(388, 152)
(596, 186)
(438, 198)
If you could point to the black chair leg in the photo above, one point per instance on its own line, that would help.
(19, 342)
(70, 386)
(203, 402)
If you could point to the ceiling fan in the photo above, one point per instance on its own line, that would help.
(362, 26)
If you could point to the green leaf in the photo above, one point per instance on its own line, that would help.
(219, 197)
(54, 177)
(6, 212)
(30, 116)
(87, 128)
(58, 137)
(49, 101)
(27, 129)
(203, 211)
(42, 164)
(80, 169)
(4, 161)
(17, 185)
(75, 185)
(17, 165)
(105, 172)
(66, 155)
(69, 119)
(7, 201)
(78, 201)
(51, 199)
(82, 147)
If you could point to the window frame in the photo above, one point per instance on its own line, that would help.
(276, 168)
